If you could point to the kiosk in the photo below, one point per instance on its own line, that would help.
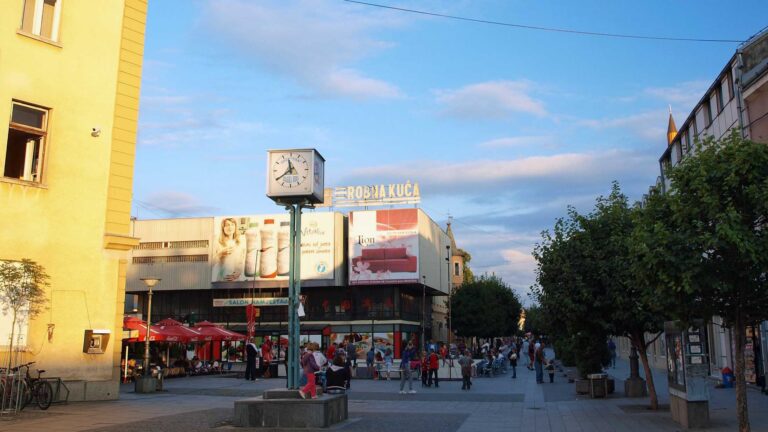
(687, 372)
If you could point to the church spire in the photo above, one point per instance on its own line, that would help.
(671, 128)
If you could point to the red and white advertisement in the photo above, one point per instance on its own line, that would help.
(384, 247)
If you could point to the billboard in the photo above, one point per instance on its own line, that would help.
(384, 247)
(249, 248)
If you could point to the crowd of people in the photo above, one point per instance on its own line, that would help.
(334, 367)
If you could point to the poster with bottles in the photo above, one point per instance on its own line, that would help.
(258, 247)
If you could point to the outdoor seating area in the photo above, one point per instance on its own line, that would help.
(170, 345)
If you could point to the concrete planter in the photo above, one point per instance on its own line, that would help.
(285, 409)
(145, 385)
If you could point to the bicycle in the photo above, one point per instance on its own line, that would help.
(14, 392)
(29, 389)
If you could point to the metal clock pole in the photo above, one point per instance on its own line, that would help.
(293, 370)
(296, 251)
(290, 356)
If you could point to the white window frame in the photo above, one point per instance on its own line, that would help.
(37, 20)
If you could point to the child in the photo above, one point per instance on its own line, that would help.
(550, 368)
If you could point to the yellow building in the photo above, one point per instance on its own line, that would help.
(70, 73)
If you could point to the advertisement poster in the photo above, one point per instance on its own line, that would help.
(384, 247)
(257, 247)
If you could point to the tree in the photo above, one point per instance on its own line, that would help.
(569, 293)
(586, 276)
(22, 292)
(710, 249)
(486, 307)
(467, 272)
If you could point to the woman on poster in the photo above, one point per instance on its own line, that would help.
(230, 252)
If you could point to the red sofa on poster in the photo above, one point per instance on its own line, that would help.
(395, 260)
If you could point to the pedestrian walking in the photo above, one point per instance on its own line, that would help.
(251, 353)
(424, 368)
(434, 365)
(444, 353)
(612, 350)
(370, 356)
(388, 360)
(311, 362)
(465, 361)
(531, 353)
(405, 368)
(512, 356)
(551, 370)
(352, 353)
(539, 361)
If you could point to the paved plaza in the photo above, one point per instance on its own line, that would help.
(196, 404)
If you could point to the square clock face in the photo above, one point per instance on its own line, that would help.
(294, 173)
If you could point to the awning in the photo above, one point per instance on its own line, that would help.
(211, 332)
(174, 331)
(133, 323)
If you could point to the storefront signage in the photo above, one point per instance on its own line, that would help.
(381, 194)
(258, 301)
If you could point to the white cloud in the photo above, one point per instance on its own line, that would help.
(565, 169)
(682, 96)
(519, 141)
(490, 100)
(314, 42)
(651, 125)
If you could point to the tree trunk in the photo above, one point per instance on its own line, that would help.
(741, 383)
(639, 343)
(641, 348)
(10, 344)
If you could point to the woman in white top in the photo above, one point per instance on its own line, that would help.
(230, 252)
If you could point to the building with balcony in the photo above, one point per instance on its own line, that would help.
(70, 74)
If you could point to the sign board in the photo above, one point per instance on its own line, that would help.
(247, 248)
(384, 247)
(377, 195)
(256, 301)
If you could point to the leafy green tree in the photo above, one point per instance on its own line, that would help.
(709, 246)
(467, 272)
(586, 277)
(536, 321)
(570, 294)
(22, 292)
(486, 308)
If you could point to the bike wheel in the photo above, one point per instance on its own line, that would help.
(44, 394)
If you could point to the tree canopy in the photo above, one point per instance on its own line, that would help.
(485, 307)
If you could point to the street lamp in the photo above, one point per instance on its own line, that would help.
(423, 311)
(150, 283)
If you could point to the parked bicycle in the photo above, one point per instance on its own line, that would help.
(23, 391)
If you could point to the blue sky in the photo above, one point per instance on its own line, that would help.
(502, 127)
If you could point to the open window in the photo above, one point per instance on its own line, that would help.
(41, 18)
(26, 143)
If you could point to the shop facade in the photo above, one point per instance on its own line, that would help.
(368, 276)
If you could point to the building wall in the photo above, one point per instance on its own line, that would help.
(75, 223)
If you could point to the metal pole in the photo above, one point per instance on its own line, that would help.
(296, 293)
(149, 332)
(290, 357)
(423, 312)
(125, 368)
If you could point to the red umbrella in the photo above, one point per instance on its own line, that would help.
(212, 332)
(133, 323)
(174, 331)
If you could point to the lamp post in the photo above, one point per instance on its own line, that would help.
(423, 311)
(150, 283)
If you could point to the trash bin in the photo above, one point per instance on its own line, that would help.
(273, 369)
(728, 377)
(598, 385)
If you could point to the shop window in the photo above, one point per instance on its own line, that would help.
(26, 143)
(41, 18)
